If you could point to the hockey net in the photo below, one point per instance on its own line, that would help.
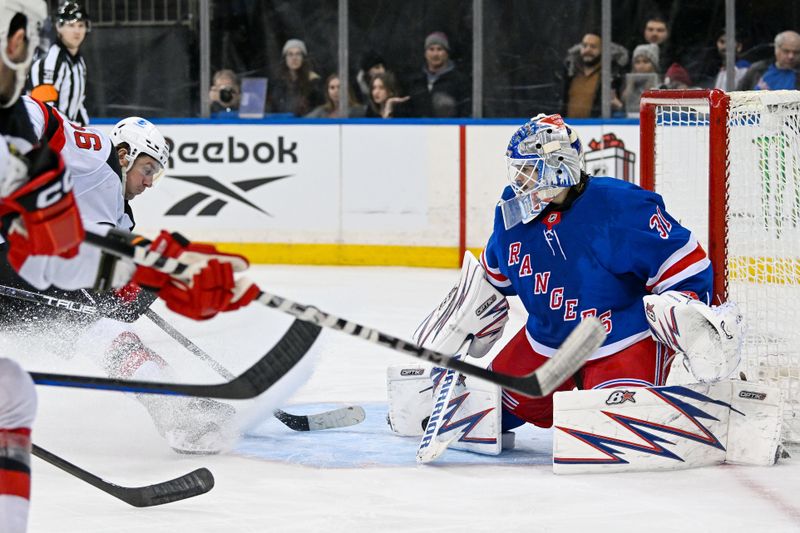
(728, 167)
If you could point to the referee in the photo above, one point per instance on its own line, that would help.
(59, 77)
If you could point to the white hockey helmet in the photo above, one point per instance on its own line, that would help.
(142, 137)
(34, 13)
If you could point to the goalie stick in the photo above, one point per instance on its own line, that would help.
(336, 418)
(584, 340)
(292, 347)
(186, 486)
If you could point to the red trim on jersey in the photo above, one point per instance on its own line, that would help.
(695, 256)
(497, 277)
(53, 133)
(15, 482)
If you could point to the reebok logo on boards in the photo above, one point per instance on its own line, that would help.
(214, 195)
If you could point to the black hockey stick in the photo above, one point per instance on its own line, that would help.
(186, 486)
(292, 347)
(336, 418)
(52, 301)
(584, 340)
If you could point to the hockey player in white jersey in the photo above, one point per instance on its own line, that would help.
(35, 229)
(42, 228)
(108, 172)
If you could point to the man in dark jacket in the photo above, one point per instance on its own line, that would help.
(439, 89)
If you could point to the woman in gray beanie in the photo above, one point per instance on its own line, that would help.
(644, 75)
(298, 89)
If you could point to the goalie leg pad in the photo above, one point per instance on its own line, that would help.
(665, 428)
(475, 412)
(409, 389)
(754, 430)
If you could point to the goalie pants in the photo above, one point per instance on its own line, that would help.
(644, 364)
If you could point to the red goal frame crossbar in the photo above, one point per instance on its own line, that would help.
(718, 103)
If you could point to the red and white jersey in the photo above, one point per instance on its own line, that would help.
(87, 153)
(99, 193)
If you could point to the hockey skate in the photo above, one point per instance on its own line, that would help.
(189, 425)
(199, 426)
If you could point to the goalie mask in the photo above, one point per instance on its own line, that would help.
(543, 158)
(32, 15)
(142, 137)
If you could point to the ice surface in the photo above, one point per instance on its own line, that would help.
(359, 479)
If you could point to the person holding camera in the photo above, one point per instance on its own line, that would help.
(226, 92)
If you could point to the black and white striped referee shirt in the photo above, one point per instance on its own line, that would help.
(59, 79)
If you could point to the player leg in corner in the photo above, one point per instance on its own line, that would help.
(17, 411)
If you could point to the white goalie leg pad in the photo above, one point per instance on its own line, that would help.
(475, 412)
(410, 392)
(710, 338)
(466, 416)
(473, 309)
(665, 428)
(754, 430)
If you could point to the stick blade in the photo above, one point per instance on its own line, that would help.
(186, 486)
(338, 418)
(584, 340)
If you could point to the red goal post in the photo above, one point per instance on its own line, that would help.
(718, 103)
(728, 167)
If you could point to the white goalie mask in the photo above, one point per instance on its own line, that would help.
(142, 137)
(543, 158)
(35, 12)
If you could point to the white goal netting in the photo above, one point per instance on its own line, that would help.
(761, 237)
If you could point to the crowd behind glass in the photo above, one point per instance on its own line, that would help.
(430, 59)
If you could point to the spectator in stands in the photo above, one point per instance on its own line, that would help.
(330, 109)
(582, 77)
(656, 31)
(709, 69)
(225, 93)
(297, 90)
(779, 74)
(384, 101)
(371, 64)
(644, 75)
(438, 89)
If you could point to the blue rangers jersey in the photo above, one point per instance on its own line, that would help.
(615, 244)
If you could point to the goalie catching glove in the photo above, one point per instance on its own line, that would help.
(40, 216)
(473, 309)
(202, 290)
(710, 337)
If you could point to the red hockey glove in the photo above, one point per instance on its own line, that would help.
(206, 287)
(48, 221)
